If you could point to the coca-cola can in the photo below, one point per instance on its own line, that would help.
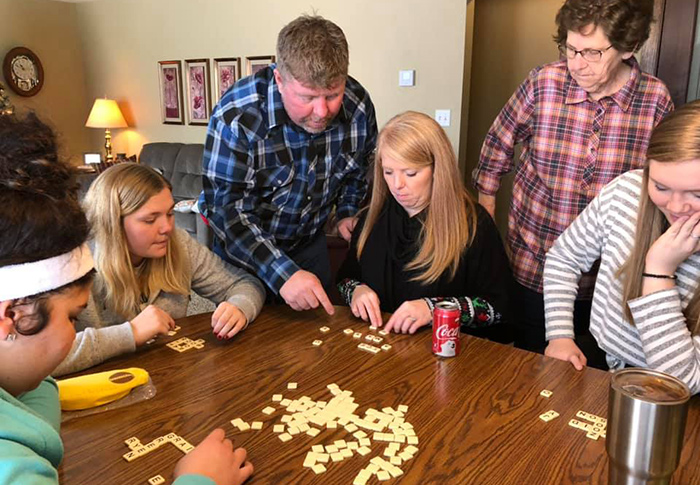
(446, 329)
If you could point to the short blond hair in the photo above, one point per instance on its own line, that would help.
(313, 51)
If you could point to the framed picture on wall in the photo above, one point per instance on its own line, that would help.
(226, 72)
(198, 98)
(254, 63)
(170, 78)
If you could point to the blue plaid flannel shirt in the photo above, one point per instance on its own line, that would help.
(268, 185)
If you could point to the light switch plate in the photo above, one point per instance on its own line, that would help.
(442, 116)
(407, 77)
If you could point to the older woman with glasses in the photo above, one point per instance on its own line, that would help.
(581, 121)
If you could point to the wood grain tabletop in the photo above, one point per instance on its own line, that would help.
(476, 415)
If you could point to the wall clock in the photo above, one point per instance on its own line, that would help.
(23, 71)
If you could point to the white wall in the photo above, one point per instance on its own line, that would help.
(123, 40)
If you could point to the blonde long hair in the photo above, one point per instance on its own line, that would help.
(115, 194)
(450, 218)
(675, 139)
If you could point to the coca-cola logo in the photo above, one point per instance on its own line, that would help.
(445, 332)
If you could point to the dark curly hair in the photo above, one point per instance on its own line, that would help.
(40, 216)
(626, 23)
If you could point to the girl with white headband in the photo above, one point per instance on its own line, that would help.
(45, 275)
(146, 269)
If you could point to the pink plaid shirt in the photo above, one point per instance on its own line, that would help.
(571, 148)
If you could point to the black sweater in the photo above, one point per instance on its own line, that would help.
(480, 285)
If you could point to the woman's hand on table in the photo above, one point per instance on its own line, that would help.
(566, 349)
(409, 317)
(227, 320)
(365, 305)
(216, 459)
(152, 321)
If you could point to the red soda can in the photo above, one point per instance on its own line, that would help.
(446, 329)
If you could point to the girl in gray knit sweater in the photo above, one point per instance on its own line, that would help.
(146, 269)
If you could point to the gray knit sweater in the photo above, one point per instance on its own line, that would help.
(102, 334)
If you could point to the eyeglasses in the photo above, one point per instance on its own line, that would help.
(590, 55)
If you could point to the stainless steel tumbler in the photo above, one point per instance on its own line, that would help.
(647, 411)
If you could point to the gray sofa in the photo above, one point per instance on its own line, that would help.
(181, 164)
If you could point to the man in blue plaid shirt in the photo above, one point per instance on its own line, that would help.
(283, 147)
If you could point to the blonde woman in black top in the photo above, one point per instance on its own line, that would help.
(424, 239)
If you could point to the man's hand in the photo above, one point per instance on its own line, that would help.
(346, 226)
(303, 291)
(216, 459)
(489, 203)
(566, 349)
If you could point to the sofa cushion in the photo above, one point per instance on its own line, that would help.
(181, 165)
(188, 222)
(187, 172)
(161, 156)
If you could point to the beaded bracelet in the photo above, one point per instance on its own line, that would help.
(660, 276)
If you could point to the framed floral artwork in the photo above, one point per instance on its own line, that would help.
(254, 63)
(226, 72)
(198, 98)
(170, 77)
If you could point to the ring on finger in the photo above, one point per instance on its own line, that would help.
(694, 236)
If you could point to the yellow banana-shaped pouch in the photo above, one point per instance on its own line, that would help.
(94, 390)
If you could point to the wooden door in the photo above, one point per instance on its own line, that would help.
(669, 51)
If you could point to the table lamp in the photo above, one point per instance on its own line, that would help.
(105, 114)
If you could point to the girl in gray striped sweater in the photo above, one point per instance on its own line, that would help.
(644, 228)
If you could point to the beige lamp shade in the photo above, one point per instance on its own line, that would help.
(105, 113)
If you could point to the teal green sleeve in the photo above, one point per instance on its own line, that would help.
(30, 446)
(193, 480)
(20, 466)
(44, 401)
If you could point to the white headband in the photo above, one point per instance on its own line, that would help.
(26, 279)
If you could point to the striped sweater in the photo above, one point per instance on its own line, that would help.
(659, 338)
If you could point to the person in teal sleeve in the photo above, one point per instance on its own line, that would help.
(46, 271)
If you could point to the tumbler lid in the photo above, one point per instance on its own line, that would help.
(650, 385)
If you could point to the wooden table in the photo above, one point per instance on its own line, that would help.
(476, 415)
